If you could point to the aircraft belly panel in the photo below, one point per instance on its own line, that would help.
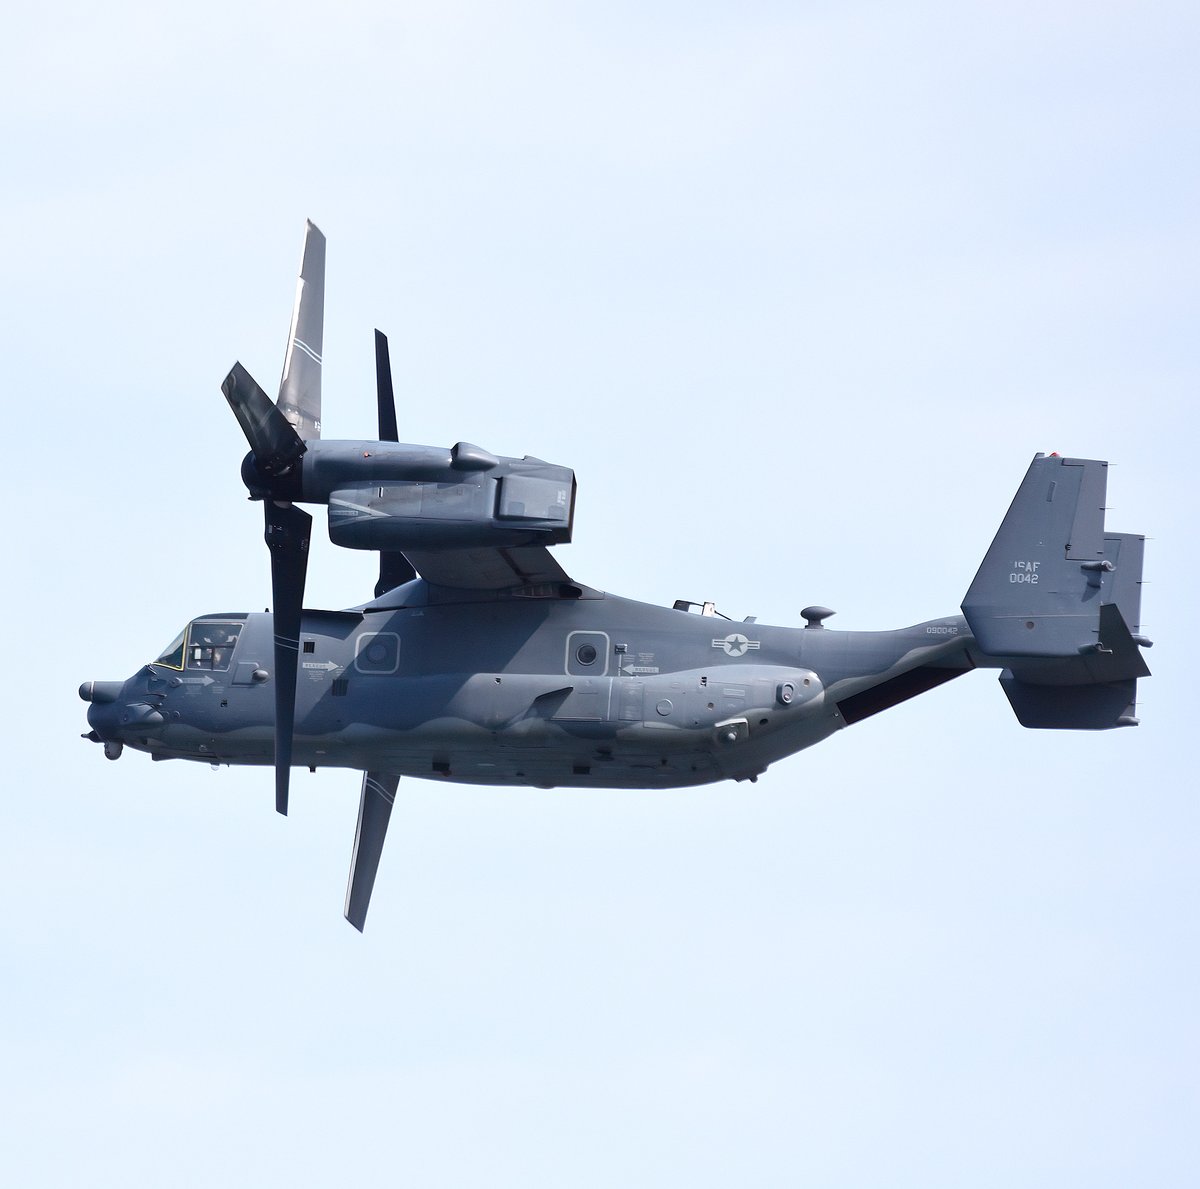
(514, 728)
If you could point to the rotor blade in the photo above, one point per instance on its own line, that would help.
(394, 570)
(300, 385)
(374, 810)
(275, 443)
(386, 398)
(288, 531)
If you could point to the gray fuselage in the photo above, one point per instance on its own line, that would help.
(589, 691)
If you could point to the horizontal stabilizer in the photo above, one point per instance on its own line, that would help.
(1076, 707)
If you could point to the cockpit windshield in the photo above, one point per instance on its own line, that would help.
(204, 644)
(172, 656)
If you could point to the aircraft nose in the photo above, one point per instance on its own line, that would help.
(103, 716)
(113, 719)
(100, 692)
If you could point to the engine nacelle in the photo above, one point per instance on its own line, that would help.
(516, 502)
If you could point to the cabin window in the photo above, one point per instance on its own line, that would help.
(377, 652)
(587, 654)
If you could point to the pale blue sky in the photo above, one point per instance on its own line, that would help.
(797, 289)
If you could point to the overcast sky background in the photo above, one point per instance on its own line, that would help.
(798, 290)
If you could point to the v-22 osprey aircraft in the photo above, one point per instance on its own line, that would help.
(480, 660)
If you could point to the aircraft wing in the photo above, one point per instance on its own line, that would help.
(534, 490)
(487, 568)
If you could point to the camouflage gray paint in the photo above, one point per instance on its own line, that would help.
(481, 661)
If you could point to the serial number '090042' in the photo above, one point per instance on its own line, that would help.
(1025, 571)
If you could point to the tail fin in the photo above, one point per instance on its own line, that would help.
(1057, 600)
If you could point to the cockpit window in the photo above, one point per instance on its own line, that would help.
(203, 644)
(210, 644)
(172, 656)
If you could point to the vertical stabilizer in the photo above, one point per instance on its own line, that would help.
(1052, 566)
(1057, 602)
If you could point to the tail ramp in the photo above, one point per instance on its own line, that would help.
(1057, 602)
